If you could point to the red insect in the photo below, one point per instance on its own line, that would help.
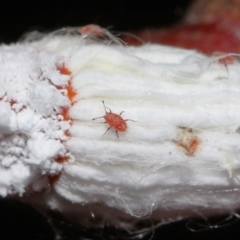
(96, 32)
(114, 120)
(92, 30)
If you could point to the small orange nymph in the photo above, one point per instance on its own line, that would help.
(92, 30)
(114, 121)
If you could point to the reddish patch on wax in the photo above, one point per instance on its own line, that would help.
(71, 93)
(205, 37)
(61, 159)
(193, 146)
(65, 114)
(53, 178)
(12, 102)
(190, 145)
(63, 70)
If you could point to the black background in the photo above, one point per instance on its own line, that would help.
(19, 221)
(121, 15)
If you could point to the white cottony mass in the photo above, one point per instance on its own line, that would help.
(178, 155)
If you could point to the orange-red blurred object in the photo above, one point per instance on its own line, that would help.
(209, 26)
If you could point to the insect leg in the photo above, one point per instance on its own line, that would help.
(97, 118)
(106, 131)
(129, 120)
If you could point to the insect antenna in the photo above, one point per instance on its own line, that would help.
(106, 107)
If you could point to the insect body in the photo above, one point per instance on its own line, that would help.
(96, 32)
(92, 30)
(114, 121)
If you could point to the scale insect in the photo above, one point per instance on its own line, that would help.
(114, 120)
(92, 30)
(96, 33)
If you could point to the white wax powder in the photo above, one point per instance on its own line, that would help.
(178, 157)
(32, 134)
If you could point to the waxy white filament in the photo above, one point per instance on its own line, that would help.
(179, 157)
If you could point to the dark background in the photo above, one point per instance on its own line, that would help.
(19, 221)
(121, 15)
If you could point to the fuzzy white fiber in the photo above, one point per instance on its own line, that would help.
(179, 157)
